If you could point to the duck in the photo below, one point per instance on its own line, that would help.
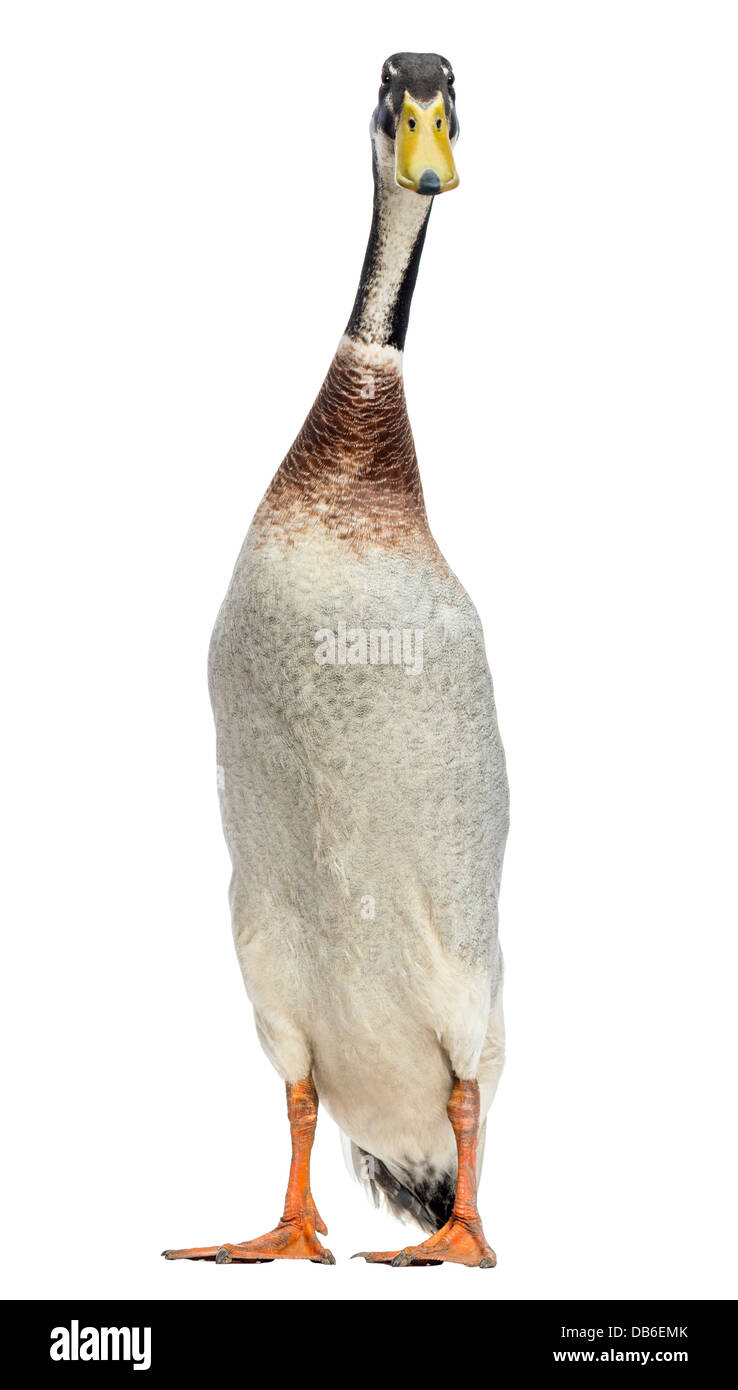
(361, 774)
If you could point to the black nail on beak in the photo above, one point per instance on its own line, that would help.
(429, 182)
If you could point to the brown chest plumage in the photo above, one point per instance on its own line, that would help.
(352, 468)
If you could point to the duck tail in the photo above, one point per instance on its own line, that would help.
(423, 1194)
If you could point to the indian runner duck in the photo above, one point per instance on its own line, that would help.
(360, 770)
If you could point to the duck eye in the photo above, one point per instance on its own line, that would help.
(385, 77)
(439, 123)
(450, 79)
(411, 123)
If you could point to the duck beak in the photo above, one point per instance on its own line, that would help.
(424, 159)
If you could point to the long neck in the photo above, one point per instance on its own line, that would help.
(382, 306)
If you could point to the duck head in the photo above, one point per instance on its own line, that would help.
(416, 112)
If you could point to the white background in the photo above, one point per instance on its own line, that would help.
(187, 194)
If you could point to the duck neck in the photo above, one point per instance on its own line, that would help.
(382, 305)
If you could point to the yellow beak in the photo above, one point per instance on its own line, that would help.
(424, 159)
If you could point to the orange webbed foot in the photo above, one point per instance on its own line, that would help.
(296, 1235)
(458, 1242)
(292, 1239)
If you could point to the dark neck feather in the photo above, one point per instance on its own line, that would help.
(382, 305)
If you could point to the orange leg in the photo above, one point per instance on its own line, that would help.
(295, 1238)
(461, 1241)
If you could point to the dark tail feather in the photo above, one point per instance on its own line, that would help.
(423, 1194)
